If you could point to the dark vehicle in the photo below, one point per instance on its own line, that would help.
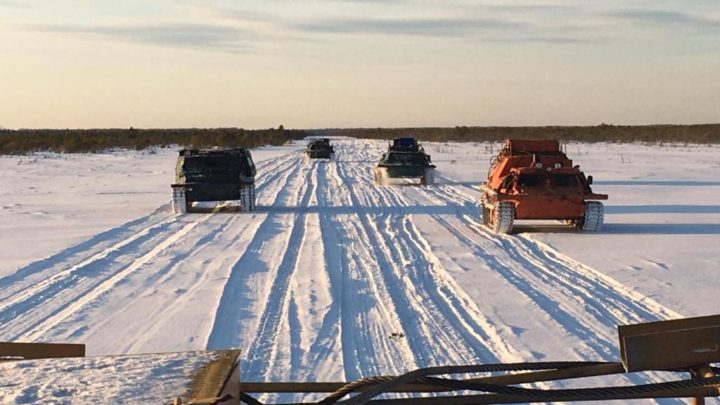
(319, 149)
(534, 179)
(404, 161)
(404, 145)
(214, 175)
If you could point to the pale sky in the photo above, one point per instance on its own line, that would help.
(357, 63)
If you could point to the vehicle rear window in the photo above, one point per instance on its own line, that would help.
(530, 180)
(211, 163)
(564, 180)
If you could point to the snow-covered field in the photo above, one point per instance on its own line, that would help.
(333, 278)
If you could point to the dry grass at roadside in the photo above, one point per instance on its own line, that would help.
(17, 142)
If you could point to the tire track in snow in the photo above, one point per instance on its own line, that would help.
(402, 268)
(233, 315)
(457, 308)
(78, 281)
(270, 175)
(19, 317)
(599, 345)
(542, 255)
(366, 349)
(270, 183)
(154, 320)
(540, 249)
(335, 321)
(23, 291)
(263, 351)
(292, 359)
(442, 307)
(40, 328)
(421, 326)
(19, 296)
(594, 337)
(372, 266)
(566, 290)
(33, 272)
(313, 302)
(574, 279)
(481, 340)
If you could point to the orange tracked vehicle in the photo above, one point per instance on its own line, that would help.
(534, 179)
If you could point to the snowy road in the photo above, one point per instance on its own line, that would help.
(331, 278)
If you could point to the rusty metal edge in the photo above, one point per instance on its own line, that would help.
(12, 351)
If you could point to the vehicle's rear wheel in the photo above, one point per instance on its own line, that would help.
(180, 203)
(486, 213)
(247, 198)
(502, 217)
(594, 217)
(484, 210)
(429, 177)
(380, 176)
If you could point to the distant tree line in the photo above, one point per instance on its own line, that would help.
(705, 133)
(25, 141)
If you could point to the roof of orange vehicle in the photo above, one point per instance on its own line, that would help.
(533, 145)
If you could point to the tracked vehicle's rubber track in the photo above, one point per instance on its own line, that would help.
(594, 216)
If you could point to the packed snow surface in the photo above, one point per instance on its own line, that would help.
(335, 278)
(130, 379)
